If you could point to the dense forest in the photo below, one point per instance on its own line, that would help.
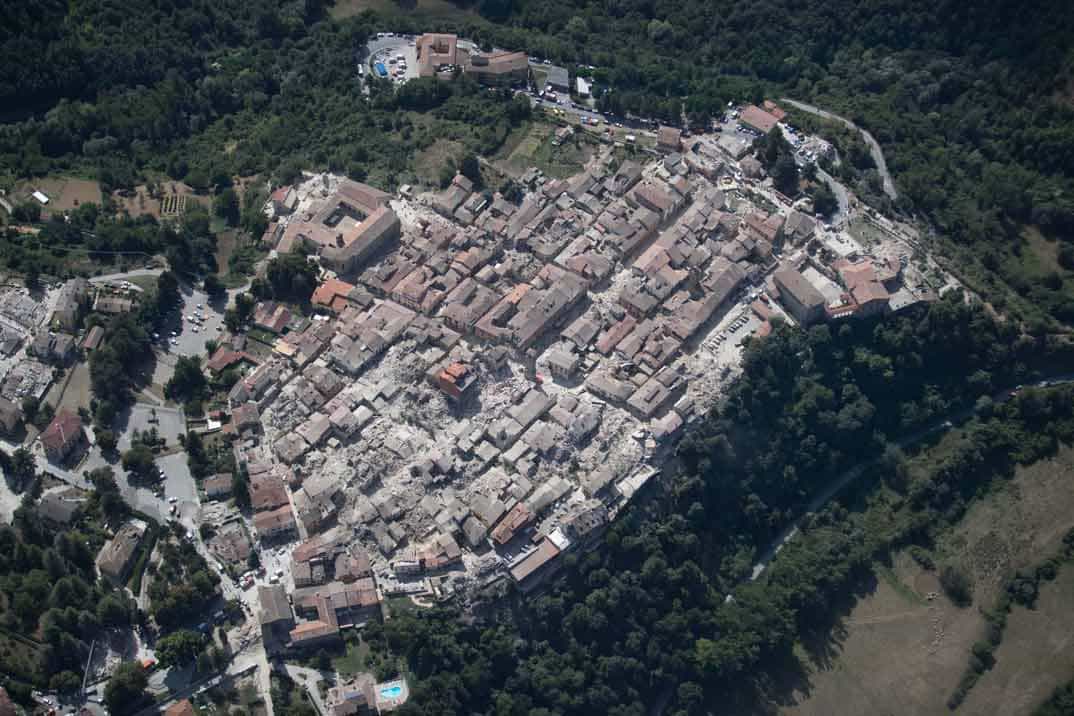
(213, 90)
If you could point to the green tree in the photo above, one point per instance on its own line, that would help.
(179, 648)
(214, 287)
(168, 296)
(125, 692)
(470, 168)
(138, 461)
(785, 175)
(106, 440)
(291, 278)
(20, 469)
(825, 202)
(226, 206)
(957, 585)
(106, 494)
(112, 611)
(240, 488)
(188, 382)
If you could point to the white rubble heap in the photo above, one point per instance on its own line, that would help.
(610, 310)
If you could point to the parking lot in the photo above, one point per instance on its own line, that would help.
(192, 335)
(169, 423)
(179, 483)
(387, 50)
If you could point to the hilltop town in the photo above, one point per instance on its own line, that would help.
(479, 382)
(485, 383)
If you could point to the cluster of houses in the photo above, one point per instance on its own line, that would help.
(531, 346)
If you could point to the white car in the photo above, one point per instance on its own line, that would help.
(172, 500)
(195, 329)
(175, 341)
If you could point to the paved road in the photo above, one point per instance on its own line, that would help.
(836, 485)
(874, 146)
(126, 275)
(843, 212)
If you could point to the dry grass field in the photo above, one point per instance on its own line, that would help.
(895, 652)
(64, 193)
(1036, 656)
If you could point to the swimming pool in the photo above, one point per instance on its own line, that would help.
(391, 692)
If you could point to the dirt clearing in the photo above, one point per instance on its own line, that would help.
(225, 246)
(64, 193)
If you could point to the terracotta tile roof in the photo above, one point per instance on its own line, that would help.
(65, 428)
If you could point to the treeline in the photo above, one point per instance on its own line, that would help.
(1061, 702)
(646, 617)
(1022, 588)
(88, 233)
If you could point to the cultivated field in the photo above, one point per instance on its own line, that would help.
(895, 652)
(141, 202)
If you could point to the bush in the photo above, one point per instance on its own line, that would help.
(922, 557)
(956, 585)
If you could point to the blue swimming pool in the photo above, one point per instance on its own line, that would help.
(391, 692)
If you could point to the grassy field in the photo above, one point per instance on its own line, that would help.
(535, 148)
(77, 392)
(895, 651)
(355, 659)
(1036, 656)
(429, 161)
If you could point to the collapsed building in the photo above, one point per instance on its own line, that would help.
(493, 380)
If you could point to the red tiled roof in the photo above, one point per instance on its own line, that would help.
(755, 117)
(329, 290)
(64, 428)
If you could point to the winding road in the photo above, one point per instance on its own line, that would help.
(836, 485)
(874, 146)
